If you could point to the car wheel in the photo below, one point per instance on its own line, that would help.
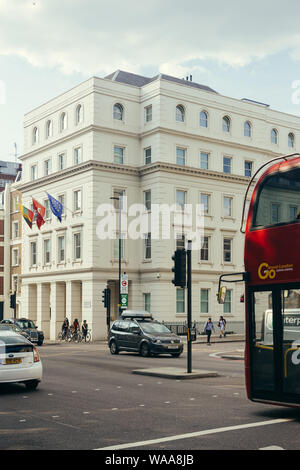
(31, 384)
(113, 348)
(144, 351)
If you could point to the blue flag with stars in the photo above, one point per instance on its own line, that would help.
(55, 206)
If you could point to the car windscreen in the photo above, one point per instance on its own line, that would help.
(25, 324)
(154, 328)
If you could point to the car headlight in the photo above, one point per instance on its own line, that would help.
(155, 340)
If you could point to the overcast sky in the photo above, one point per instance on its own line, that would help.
(241, 49)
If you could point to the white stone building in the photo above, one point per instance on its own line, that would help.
(156, 140)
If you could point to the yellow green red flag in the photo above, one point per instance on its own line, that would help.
(27, 214)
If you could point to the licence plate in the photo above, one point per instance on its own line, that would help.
(13, 361)
(173, 346)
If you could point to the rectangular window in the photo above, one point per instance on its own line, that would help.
(15, 230)
(15, 257)
(275, 208)
(147, 199)
(226, 164)
(61, 249)
(61, 199)
(227, 206)
(147, 302)
(147, 246)
(180, 241)
(77, 155)
(204, 251)
(227, 303)
(47, 251)
(180, 300)
(205, 202)
(119, 155)
(34, 172)
(180, 198)
(147, 154)
(15, 284)
(293, 212)
(16, 203)
(77, 200)
(180, 156)
(47, 167)
(204, 160)
(248, 169)
(204, 306)
(227, 249)
(77, 245)
(116, 248)
(33, 253)
(148, 113)
(48, 210)
(62, 161)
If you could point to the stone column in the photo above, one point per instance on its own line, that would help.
(73, 301)
(43, 308)
(58, 308)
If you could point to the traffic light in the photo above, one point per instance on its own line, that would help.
(13, 300)
(179, 269)
(106, 297)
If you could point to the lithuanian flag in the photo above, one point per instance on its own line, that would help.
(27, 214)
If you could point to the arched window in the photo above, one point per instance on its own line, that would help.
(226, 124)
(79, 114)
(35, 135)
(291, 140)
(203, 119)
(180, 113)
(63, 121)
(247, 129)
(274, 136)
(118, 112)
(49, 128)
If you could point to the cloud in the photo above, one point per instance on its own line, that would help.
(96, 37)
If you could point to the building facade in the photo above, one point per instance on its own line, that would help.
(157, 141)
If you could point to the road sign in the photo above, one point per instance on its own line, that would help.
(124, 284)
(124, 300)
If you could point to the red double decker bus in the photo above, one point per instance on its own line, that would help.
(272, 285)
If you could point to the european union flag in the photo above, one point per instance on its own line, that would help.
(55, 206)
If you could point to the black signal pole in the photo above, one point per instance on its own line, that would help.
(189, 306)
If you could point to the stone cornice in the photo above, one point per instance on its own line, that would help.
(93, 165)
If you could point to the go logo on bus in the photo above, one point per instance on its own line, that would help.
(265, 271)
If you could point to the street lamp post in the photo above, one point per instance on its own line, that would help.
(120, 199)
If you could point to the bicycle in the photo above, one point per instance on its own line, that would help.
(64, 336)
(87, 338)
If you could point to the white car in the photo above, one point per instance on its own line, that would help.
(19, 360)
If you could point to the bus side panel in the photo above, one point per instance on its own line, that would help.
(247, 345)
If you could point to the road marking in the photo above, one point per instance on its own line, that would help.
(192, 435)
(271, 448)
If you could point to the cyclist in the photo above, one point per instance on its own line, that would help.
(84, 329)
(65, 328)
(76, 328)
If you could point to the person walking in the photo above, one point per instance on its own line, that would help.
(208, 328)
(222, 326)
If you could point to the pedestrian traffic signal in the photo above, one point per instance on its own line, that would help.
(179, 268)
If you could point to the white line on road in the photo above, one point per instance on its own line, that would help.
(195, 434)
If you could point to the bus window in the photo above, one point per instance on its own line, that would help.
(262, 350)
(278, 200)
(291, 341)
